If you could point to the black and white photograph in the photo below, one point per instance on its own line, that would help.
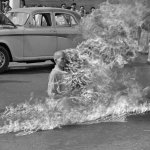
(74, 74)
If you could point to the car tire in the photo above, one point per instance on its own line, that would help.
(4, 59)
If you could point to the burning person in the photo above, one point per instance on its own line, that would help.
(56, 88)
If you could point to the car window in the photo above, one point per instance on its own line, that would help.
(64, 20)
(73, 22)
(18, 18)
(42, 20)
(4, 21)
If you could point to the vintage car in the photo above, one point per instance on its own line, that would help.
(34, 34)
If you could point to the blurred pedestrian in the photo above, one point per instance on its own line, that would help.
(7, 7)
(92, 9)
(144, 38)
(82, 11)
(73, 7)
(63, 6)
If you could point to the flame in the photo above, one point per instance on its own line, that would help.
(104, 90)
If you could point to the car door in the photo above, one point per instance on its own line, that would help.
(12, 36)
(40, 37)
(68, 34)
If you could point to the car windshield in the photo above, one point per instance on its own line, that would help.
(18, 18)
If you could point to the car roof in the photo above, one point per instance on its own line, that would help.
(38, 9)
(32, 9)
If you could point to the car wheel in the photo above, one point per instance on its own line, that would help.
(4, 59)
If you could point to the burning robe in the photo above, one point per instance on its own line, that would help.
(56, 88)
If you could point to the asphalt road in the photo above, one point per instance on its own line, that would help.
(23, 80)
(17, 84)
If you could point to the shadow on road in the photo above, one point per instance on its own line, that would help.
(29, 69)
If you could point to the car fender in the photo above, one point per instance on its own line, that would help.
(14, 42)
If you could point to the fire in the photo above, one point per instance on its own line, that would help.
(107, 90)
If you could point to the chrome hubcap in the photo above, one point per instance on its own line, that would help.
(2, 59)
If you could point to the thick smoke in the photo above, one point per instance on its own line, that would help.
(101, 87)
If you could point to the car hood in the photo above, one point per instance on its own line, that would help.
(5, 22)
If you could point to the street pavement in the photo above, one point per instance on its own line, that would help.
(23, 80)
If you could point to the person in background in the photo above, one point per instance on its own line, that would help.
(146, 28)
(144, 36)
(73, 7)
(7, 7)
(92, 9)
(63, 6)
(82, 11)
